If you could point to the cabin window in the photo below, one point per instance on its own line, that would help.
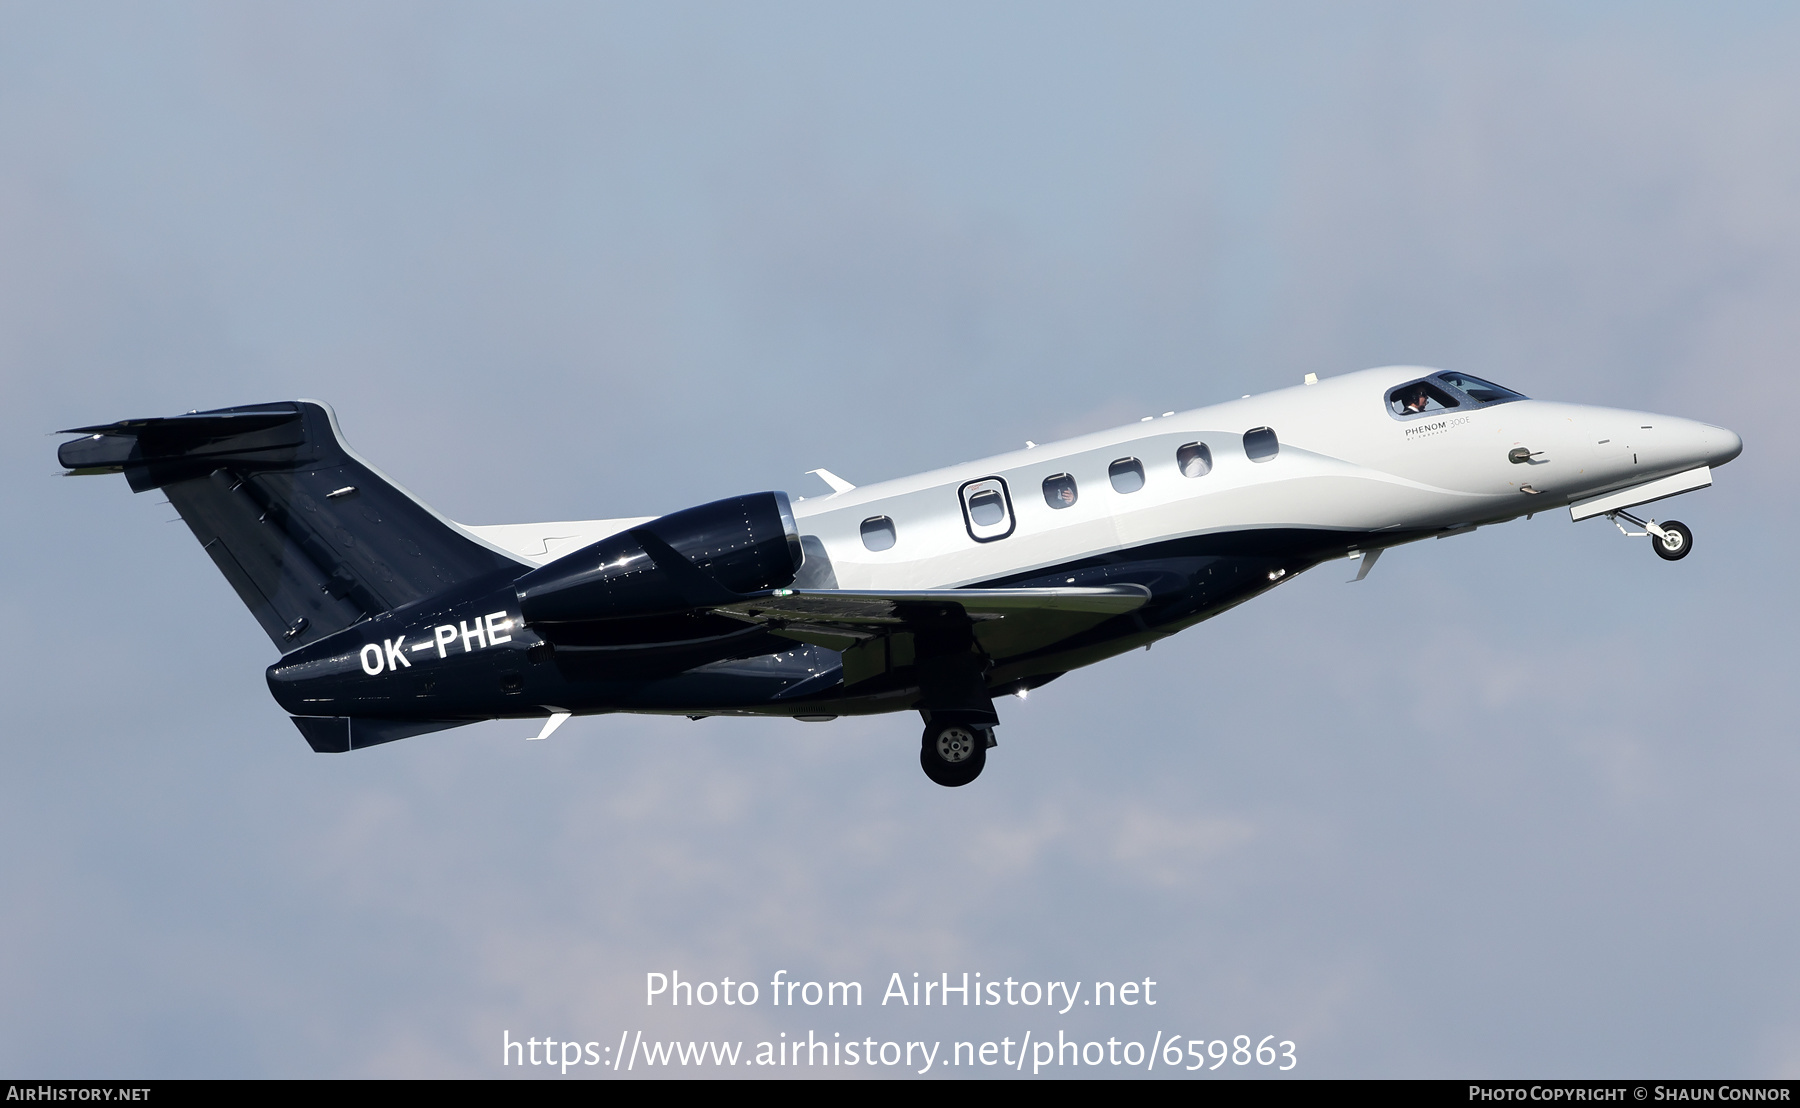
(1194, 459)
(1260, 444)
(1059, 491)
(1481, 392)
(878, 533)
(1418, 398)
(1126, 474)
(986, 509)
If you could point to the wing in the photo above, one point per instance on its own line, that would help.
(876, 631)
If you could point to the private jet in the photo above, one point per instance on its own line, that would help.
(936, 593)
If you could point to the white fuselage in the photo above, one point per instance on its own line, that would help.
(1345, 463)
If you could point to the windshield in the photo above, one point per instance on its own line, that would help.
(1482, 392)
(1419, 396)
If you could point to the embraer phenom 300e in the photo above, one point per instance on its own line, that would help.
(933, 593)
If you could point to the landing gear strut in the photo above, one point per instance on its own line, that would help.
(1670, 540)
(953, 754)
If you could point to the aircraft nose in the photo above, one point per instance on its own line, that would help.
(1722, 445)
(1690, 442)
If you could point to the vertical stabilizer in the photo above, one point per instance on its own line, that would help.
(311, 536)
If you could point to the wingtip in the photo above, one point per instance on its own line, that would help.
(838, 484)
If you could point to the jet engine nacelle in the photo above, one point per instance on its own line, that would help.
(688, 559)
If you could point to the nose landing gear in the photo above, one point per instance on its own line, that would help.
(1674, 543)
(953, 754)
(1670, 540)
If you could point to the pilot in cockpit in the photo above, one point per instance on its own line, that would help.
(1417, 398)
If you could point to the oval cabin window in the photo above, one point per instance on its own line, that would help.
(1194, 459)
(878, 533)
(1059, 491)
(1260, 444)
(1127, 475)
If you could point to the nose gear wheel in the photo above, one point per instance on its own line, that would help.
(1674, 543)
(1671, 540)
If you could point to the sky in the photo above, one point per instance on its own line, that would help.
(1519, 804)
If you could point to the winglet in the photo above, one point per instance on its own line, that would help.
(557, 718)
(838, 484)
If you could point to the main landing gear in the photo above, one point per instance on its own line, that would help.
(1670, 540)
(953, 754)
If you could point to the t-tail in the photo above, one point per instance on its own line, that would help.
(313, 538)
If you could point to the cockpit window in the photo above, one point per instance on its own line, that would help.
(1419, 397)
(1481, 392)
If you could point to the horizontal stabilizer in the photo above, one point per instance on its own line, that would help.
(340, 734)
(312, 537)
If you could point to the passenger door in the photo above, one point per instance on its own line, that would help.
(987, 509)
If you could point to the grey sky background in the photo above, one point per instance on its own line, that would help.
(1522, 803)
